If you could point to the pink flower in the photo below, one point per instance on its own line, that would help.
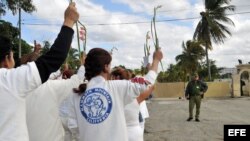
(82, 33)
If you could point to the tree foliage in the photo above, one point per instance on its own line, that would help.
(174, 73)
(73, 59)
(7, 30)
(192, 53)
(212, 25)
(13, 6)
(46, 47)
(215, 71)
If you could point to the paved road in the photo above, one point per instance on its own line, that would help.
(167, 120)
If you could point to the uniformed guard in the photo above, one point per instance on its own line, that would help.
(194, 92)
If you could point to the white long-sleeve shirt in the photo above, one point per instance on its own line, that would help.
(135, 132)
(14, 87)
(144, 109)
(132, 113)
(99, 112)
(43, 121)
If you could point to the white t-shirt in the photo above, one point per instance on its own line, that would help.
(14, 87)
(135, 132)
(99, 112)
(43, 121)
(144, 110)
(132, 113)
(134, 129)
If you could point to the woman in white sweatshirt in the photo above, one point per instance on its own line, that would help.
(135, 132)
(42, 105)
(99, 105)
(16, 83)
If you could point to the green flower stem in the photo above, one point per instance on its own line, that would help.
(154, 33)
(78, 41)
(85, 35)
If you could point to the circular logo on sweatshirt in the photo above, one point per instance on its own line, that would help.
(96, 105)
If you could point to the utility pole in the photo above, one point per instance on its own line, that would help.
(19, 22)
(1, 13)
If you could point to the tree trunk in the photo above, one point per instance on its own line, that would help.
(208, 63)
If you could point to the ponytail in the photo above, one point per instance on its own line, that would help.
(81, 88)
(94, 64)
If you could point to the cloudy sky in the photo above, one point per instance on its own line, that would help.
(124, 24)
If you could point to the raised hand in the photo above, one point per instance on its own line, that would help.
(71, 15)
(158, 55)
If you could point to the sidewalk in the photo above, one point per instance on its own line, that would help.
(167, 120)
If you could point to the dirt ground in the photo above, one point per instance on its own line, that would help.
(167, 121)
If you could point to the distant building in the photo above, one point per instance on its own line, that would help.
(228, 71)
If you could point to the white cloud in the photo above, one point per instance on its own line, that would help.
(236, 47)
(170, 8)
(129, 38)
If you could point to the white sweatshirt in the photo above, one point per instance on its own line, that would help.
(134, 129)
(43, 121)
(99, 112)
(135, 132)
(132, 113)
(144, 110)
(14, 87)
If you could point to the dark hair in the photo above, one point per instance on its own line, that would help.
(95, 63)
(67, 74)
(121, 73)
(5, 47)
(131, 73)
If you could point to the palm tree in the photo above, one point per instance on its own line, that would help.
(189, 59)
(174, 73)
(215, 71)
(46, 47)
(212, 25)
(73, 59)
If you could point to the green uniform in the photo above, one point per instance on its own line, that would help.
(194, 90)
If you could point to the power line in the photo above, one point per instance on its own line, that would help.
(239, 13)
(142, 22)
(123, 23)
(134, 13)
(45, 24)
(229, 54)
(126, 23)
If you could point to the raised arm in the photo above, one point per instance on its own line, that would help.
(152, 73)
(145, 94)
(157, 57)
(63, 88)
(52, 60)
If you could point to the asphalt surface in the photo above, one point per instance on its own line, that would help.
(167, 121)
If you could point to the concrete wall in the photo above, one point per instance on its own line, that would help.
(236, 85)
(175, 90)
(218, 89)
(169, 90)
